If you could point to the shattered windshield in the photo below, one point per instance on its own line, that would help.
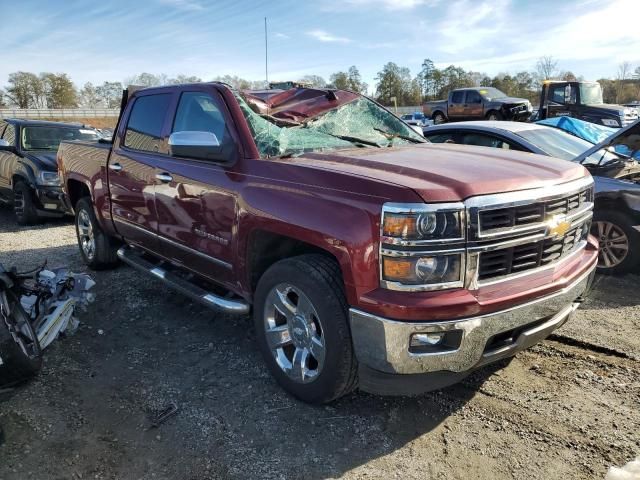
(360, 123)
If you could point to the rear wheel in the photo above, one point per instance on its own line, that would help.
(98, 250)
(19, 348)
(439, 118)
(300, 317)
(619, 242)
(493, 115)
(24, 205)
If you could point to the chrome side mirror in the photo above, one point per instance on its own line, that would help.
(202, 146)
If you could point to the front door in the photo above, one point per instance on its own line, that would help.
(561, 101)
(132, 170)
(196, 201)
(473, 105)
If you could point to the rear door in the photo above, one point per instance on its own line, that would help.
(456, 105)
(196, 203)
(473, 105)
(132, 168)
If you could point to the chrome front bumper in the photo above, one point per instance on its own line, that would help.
(384, 345)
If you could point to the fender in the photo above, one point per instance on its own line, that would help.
(346, 226)
(24, 171)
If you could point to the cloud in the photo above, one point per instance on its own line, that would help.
(390, 4)
(281, 35)
(324, 36)
(190, 5)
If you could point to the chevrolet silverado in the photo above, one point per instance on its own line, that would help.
(369, 257)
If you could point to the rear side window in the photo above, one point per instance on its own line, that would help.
(457, 97)
(10, 134)
(144, 129)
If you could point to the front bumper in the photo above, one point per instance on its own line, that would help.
(51, 201)
(383, 345)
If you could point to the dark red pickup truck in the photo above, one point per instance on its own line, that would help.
(369, 257)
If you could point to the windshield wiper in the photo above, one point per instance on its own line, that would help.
(391, 136)
(356, 140)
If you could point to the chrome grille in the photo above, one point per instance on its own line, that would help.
(499, 219)
(527, 256)
(520, 232)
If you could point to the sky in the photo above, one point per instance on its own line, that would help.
(114, 40)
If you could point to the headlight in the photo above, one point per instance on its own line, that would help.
(427, 270)
(610, 122)
(49, 178)
(411, 246)
(420, 222)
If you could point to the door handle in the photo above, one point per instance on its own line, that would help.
(116, 167)
(164, 177)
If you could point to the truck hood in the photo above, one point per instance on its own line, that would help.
(615, 110)
(43, 160)
(511, 100)
(445, 173)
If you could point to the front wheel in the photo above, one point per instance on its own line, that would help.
(619, 242)
(24, 205)
(300, 317)
(97, 249)
(19, 347)
(493, 115)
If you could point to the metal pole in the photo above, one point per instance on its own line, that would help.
(266, 55)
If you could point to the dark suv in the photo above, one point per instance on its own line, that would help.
(28, 170)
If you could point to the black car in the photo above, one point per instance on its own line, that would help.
(28, 170)
(616, 219)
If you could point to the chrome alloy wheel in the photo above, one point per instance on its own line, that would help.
(614, 244)
(85, 234)
(294, 333)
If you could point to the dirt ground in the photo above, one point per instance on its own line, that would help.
(566, 409)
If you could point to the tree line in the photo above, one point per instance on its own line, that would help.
(394, 85)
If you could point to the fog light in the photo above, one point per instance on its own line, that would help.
(426, 339)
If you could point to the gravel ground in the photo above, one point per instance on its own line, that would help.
(566, 409)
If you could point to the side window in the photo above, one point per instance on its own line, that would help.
(473, 97)
(144, 129)
(441, 138)
(199, 112)
(483, 140)
(10, 134)
(457, 97)
(556, 94)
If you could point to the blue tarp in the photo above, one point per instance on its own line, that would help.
(590, 132)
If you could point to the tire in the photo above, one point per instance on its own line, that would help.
(439, 118)
(19, 363)
(313, 285)
(494, 115)
(24, 205)
(98, 250)
(619, 242)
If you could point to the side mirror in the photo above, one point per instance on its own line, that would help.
(5, 146)
(200, 145)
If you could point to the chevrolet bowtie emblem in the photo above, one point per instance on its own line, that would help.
(558, 226)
